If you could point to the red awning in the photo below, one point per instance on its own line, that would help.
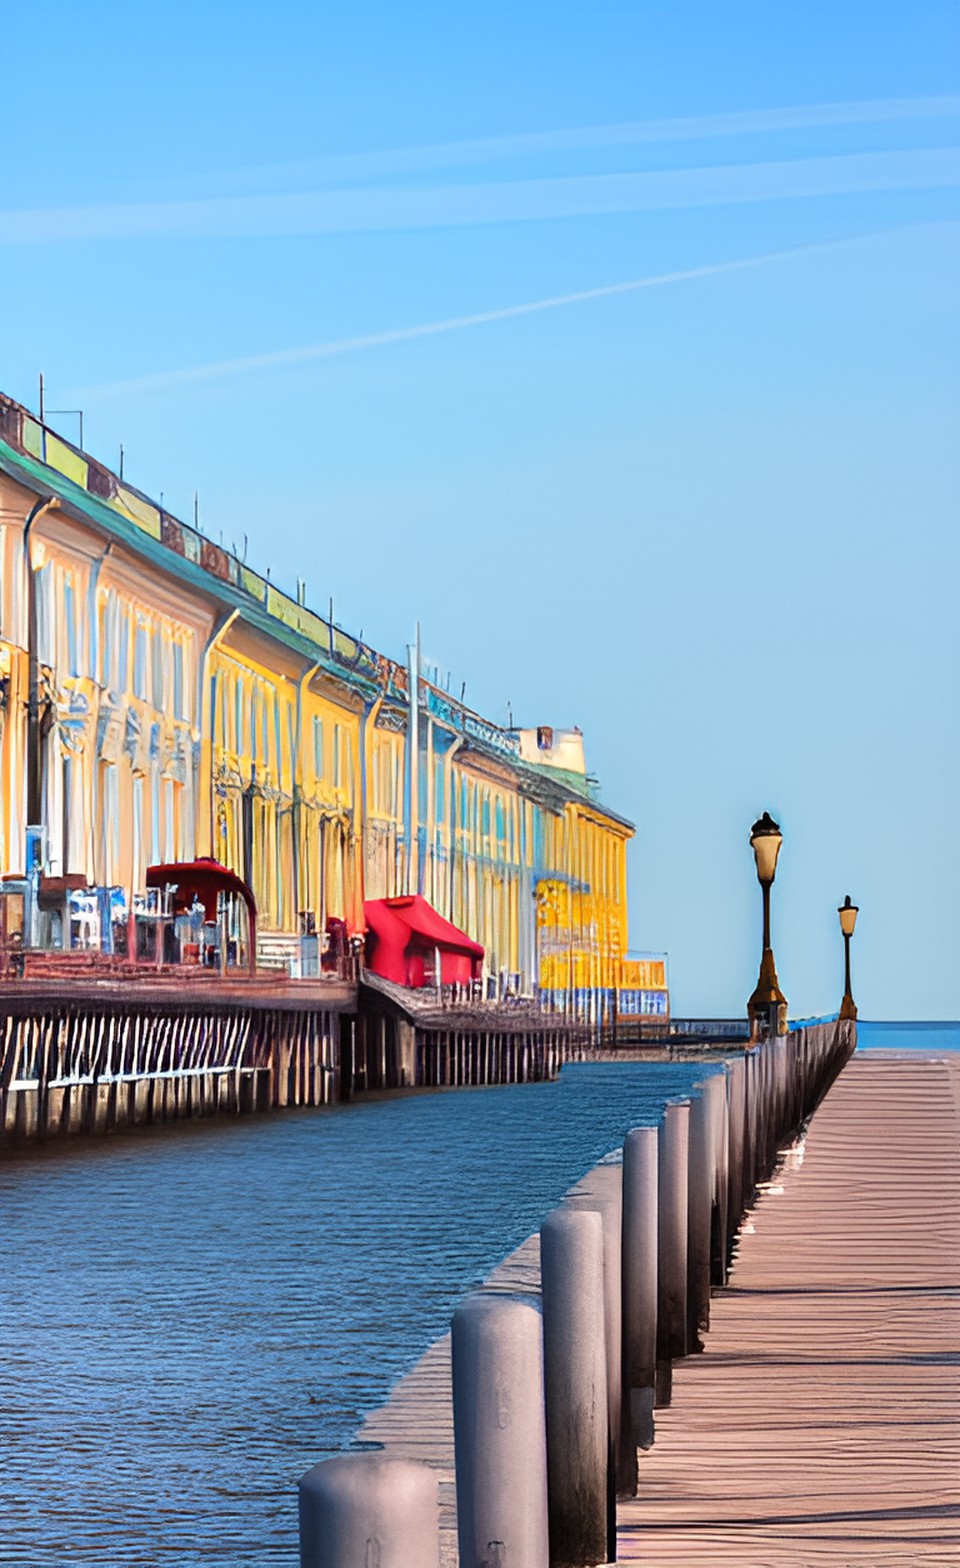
(423, 919)
(403, 932)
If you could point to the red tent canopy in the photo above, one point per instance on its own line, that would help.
(204, 878)
(404, 936)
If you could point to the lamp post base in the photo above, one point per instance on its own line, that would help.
(767, 1007)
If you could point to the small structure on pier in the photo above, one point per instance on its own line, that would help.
(212, 890)
(410, 944)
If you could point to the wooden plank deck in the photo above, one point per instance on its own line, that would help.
(821, 1426)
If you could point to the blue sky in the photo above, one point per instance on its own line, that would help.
(711, 518)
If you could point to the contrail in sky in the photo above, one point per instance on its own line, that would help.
(387, 163)
(361, 209)
(225, 368)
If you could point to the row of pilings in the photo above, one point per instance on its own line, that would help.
(551, 1408)
(74, 1063)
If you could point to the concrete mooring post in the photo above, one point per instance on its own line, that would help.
(640, 1184)
(605, 1195)
(736, 1103)
(715, 1091)
(672, 1244)
(363, 1509)
(699, 1213)
(575, 1385)
(499, 1434)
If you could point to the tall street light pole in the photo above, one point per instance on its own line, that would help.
(848, 918)
(765, 840)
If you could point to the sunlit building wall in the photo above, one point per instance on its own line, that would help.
(191, 708)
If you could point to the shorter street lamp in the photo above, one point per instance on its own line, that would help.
(765, 840)
(848, 918)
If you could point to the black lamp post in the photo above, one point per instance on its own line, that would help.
(765, 840)
(848, 918)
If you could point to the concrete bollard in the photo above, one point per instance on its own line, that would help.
(575, 1386)
(750, 1125)
(640, 1183)
(736, 1104)
(606, 1197)
(715, 1093)
(785, 1055)
(699, 1213)
(672, 1243)
(499, 1433)
(360, 1509)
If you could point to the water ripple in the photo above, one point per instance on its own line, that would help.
(191, 1316)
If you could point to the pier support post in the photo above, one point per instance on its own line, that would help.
(672, 1244)
(406, 1054)
(575, 1386)
(640, 1157)
(360, 1509)
(499, 1433)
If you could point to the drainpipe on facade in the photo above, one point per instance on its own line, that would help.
(450, 786)
(95, 851)
(206, 751)
(370, 710)
(427, 859)
(302, 684)
(412, 802)
(33, 850)
(92, 609)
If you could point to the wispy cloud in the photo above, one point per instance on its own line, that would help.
(389, 163)
(378, 208)
(227, 369)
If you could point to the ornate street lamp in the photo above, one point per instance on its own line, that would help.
(765, 840)
(848, 918)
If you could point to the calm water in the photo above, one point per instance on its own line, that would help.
(921, 1037)
(192, 1316)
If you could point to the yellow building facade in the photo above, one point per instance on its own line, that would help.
(160, 701)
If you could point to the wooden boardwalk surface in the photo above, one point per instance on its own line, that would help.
(821, 1426)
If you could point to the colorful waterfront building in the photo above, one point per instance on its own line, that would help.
(161, 701)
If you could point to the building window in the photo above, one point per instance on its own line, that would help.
(73, 661)
(42, 588)
(123, 667)
(156, 669)
(318, 747)
(291, 739)
(108, 639)
(140, 660)
(154, 817)
(178, 709)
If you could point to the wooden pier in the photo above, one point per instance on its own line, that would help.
(89, 1052)
(820, 1428)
